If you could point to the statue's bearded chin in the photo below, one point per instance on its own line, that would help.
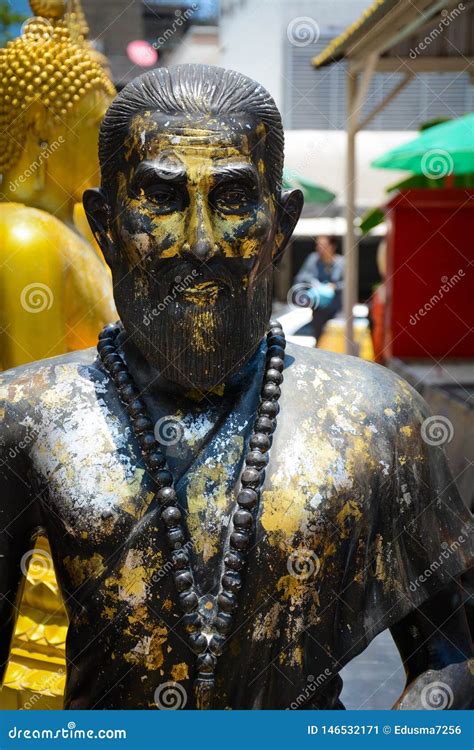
(197, 341)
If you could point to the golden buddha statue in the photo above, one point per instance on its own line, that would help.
(56, 290)
(53, 95)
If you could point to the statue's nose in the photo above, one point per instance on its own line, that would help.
(200, 241)
(202, 249)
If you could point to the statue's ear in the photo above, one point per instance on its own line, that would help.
(98, 215)
(290, 206)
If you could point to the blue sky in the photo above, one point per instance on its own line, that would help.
(22, 6)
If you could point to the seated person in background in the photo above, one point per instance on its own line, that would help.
(323, 272)
(377, 307)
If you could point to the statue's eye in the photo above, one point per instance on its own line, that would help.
(232, 198)
(165, 197)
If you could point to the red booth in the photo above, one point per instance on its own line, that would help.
(430, 274)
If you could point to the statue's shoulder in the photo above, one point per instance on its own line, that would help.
(353, 384)
(49, 382)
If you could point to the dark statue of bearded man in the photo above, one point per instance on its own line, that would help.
(227, 514)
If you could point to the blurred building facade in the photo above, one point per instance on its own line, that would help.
(274, 42)
(169, 27)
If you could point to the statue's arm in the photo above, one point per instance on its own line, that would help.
(435, 644)
(18, 525)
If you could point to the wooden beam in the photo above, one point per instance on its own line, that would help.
(422, 64)
(380, 35)
(391, 95)
(362, 88)
(350, 247)
(399, 23)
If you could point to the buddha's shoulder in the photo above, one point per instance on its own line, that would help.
(351, 384)
(32, 229)
(51, 382)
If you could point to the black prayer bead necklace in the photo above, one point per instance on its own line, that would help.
(207, 633)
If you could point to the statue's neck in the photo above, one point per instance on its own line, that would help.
(152, 384)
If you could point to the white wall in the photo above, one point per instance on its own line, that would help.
(254, 35)
(320, 156)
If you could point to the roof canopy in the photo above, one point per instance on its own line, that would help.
(429, 35)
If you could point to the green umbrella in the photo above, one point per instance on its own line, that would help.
(312, 192)
(439, 151)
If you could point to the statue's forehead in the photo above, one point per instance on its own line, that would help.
(151, 133)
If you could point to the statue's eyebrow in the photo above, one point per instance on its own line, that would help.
(155, 171)
(240, 171)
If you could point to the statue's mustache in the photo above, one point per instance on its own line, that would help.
(173, 275)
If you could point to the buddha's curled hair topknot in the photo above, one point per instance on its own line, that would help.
(51, 66)
(200, 89)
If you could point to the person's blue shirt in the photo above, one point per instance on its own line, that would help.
(315, 271)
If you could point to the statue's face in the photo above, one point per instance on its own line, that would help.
(195, 228)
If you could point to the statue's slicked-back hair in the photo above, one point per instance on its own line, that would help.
(200, 89)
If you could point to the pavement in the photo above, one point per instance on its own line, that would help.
(375, 678)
